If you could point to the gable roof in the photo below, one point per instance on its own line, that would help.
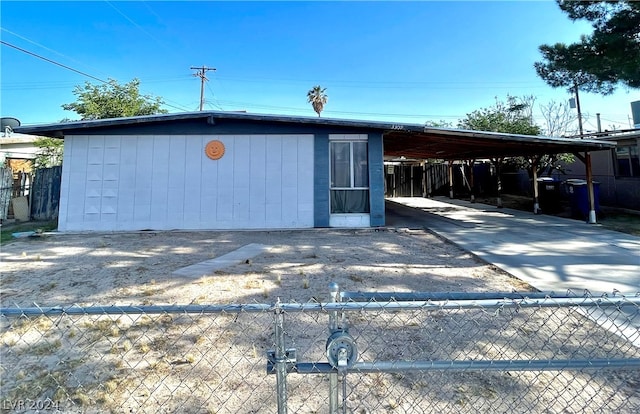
(408, 140)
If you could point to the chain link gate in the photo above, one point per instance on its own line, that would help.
(357, 353)
(619, 316)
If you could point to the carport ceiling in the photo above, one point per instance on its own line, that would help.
(452, 144)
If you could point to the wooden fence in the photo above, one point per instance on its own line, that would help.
(45, 193)
(42, 188)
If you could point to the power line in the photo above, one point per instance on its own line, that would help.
(70, 68)
(134, 23)
(214, 97)
(52, 61)
(42, 46)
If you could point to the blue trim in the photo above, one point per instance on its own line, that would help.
(202, 127)
(376, 180)
(321, 181)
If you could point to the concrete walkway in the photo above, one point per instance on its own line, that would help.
(548, 252)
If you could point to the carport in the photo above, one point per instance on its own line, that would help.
(468, 146)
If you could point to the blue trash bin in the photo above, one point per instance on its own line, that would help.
(579, 197)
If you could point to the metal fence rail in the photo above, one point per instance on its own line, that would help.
(374, 353)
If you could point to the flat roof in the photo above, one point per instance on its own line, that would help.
(400, 139)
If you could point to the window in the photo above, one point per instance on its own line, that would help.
(349, 177)
(627, 164)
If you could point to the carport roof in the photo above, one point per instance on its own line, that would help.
(408, 140)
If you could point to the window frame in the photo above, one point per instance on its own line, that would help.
(352, 140)
(352, 168)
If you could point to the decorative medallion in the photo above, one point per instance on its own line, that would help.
(214, 150)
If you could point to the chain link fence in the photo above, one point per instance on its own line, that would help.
(356, 353)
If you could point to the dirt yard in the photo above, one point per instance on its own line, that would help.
(216, 363)
(136, 268)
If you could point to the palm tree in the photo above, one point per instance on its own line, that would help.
(317, 98)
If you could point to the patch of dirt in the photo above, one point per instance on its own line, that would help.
(136, 268)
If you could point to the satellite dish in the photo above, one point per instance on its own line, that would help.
(7, 124)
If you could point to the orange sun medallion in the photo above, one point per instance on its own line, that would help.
(214, 150)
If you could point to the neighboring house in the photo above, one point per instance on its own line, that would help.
(225, 170)
(18, 151)
(617, 171)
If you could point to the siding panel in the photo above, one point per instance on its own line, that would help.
(168, 182)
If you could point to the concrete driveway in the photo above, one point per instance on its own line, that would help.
(548, 252)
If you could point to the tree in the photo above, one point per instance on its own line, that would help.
(317, 98)
(438, 124)
(559, 118)
(49, 152)
(599, 61)
(513, 117)
(112, 100)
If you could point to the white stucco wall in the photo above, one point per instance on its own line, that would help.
(167, 182)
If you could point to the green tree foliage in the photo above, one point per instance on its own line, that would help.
(112, 100)
(318, 98)
(438, 124)
(49, 152)
(513, 116)
(599, 61)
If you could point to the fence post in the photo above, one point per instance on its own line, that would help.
(280, 359)
(334, 296)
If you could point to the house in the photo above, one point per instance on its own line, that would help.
(229, 170)
(18, 151)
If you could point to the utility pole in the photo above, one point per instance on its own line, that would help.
(575, 85)
(201, 73)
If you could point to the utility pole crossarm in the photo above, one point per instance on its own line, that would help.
(201, 72)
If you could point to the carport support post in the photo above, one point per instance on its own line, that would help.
(450, 178)
(536, 192)
(473, 196)
(411, 180)
(586, 159)
(498, 163)
(592, 202)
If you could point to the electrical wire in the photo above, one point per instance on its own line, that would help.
(43, 47)
(135, 24)
(382, 83)
(52, 61)
(214, 97)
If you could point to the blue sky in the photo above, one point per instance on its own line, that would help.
(407, 62)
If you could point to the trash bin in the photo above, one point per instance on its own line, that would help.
(579, 197)
(549, 194)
